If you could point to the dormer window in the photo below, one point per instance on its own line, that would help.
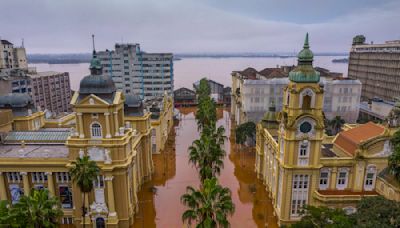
(96, 130)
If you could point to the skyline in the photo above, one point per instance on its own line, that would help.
(190, 26)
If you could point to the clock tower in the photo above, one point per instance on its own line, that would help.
(300, 135)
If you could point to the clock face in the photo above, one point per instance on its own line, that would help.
(305, 127)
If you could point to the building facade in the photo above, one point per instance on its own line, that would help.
(112, 129)
(12, 57)
(51, 91)
(184, 97)
(377, 66)
(137, 72)
(253, 91)
(300, 166)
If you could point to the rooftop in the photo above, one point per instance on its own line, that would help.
(6, 42)
(33, 151)
(45, 74)
(350, 140)
(37, 137)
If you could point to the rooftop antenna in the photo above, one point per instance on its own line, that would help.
(23, 45)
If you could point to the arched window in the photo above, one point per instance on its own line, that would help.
(307, 99)
(303, 153)
(370, 176)
(96, 130)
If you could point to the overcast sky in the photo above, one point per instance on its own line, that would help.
(65, 26)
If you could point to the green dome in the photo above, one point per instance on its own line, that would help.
(304, 72)
(95, 63)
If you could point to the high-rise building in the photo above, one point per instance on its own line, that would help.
(137, 72)
(377, 66)
(51, 91)
(12, 57)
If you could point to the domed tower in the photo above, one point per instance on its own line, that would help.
(124, 158)
(300, 135)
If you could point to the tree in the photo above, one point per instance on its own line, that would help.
(206, 114)
(394, 158)
(377, 212)
(245, 131)
(83, 172)
(209, 206)
(336, 124)
(323, 217)
(5, 218)
(207, 154)
(39, 209)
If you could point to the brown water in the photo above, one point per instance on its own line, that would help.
(159, 199)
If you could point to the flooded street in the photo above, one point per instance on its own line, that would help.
(159, 198)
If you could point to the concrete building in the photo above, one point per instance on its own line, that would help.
(12, 57)
(253, 92)
(111, 128)
(137, 72)
(377, 66)
(51, 91)
(300, 166)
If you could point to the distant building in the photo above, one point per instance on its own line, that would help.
(51, 91)
(184, 97)
(14, 81)
(216, 90)
(12, 57)
(227, 96)
(137, 72)
(253, 92)
(377, 66)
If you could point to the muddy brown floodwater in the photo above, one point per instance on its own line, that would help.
(159, 199)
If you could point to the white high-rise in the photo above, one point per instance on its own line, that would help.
(149, 75)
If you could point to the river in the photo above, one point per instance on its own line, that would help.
(188, 70)
(159, 198)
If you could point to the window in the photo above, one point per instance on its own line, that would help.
(14, 177)
(299, 193)
(369, 181)
(342, 179)
(99, 182)
(324, 179)
(67, 220)
(303, 153)
(63, 177)
(96, 130)
(65, 196)
(38, 177)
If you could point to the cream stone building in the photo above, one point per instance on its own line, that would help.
(111, 128)
(300, 165)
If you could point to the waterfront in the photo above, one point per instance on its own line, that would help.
(159, 198)
(188, 70)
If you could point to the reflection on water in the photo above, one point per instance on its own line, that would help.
(159, 198)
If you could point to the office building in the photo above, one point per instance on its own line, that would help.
(137, 72)
(12, 57)
(377, 66)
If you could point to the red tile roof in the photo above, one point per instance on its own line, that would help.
(350, 140)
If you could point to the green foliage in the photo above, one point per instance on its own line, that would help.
(394, 158)
(83, 172)
(244, 131)
(323, 217)
(39, 209)
(209, 206)
(334, 126)
(377, 212)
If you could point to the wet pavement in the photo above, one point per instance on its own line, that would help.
(159, 198)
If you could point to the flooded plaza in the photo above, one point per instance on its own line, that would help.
(159, 199)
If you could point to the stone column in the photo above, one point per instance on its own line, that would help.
(107, 116)
(25, 180)
(50, 183)
(80, 124)
(116, 123)
(112, 215)
(3, 193)
(135, 187)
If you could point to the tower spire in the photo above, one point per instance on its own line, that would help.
(306, 44)
(94, 48)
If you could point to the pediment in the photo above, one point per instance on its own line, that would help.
(93, 100)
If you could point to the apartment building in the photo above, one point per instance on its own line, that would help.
(253, 92)
(377, 66)
(51, 91)
(137, 72)
(12, 57)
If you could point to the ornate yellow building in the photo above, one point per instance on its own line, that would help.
(111, 128)
(300, 165)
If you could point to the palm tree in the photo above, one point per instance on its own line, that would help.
(209, 206)
(245, 131)
(337, 123)
(39, 209)
(206, 113)
(207, 155)
(83, 173)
